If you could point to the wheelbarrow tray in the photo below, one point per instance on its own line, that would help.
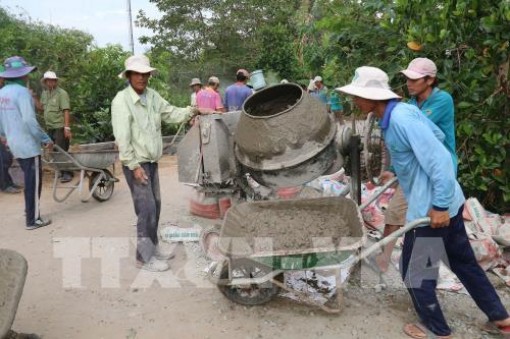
(293, 234)
(89, 159)
(13, 271)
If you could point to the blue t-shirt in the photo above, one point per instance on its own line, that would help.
(321, 94)
(235, 96)
(439, 108)
(334, 102)
(18, 122)
(423, 165)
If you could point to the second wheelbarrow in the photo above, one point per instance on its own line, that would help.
(91, 164)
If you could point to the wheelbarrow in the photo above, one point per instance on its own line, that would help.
(262, 240)
(92, 165)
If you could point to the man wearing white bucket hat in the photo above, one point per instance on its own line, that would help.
(57, 115)
(196, 85)
(137, 112)
(427, 177)
(18, 124)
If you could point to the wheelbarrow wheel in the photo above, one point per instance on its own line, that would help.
(252, 294)
(104, 189)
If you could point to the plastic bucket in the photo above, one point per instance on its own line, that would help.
(257, 80)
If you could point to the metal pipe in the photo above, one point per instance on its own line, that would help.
(380, 244)
(130, 18)
(378, 193)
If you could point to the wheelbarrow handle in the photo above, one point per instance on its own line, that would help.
(380, 244)
(378, 193)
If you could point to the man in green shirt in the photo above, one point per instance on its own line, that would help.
(55, 105)
(137, 112)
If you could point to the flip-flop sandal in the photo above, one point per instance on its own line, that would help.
(492, 328)
(419, 331)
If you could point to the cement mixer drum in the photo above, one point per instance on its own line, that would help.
(285, 137)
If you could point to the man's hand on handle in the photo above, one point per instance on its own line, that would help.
(385, 177)
(439, 219)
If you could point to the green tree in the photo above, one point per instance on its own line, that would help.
(96, 84)
(468, 40)
(218, 37)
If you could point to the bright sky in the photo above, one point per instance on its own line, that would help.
(106, 20)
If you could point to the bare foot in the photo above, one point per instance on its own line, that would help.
(382, 262)
(502, 323)
(418, 331)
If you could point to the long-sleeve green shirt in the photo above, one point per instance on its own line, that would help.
(136, 121)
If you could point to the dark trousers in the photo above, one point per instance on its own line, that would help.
(423, 249)
(5, 164)
(147, 203)
(58, 137)
(32, 172)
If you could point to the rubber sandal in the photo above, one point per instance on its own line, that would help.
(412, 329)
(492, 328)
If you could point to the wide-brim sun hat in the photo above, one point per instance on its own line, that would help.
(370, 83)
(195, 81)
(213, 80)
(138, 64)
(16, 67)
(419, 68)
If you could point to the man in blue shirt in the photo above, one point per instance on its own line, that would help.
(320, 92)
(237, 93)
(19, 126)
(427, 177)
(435, 103)
(7, 185)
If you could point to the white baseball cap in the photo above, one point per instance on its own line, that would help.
(50, 75)
(370, 83)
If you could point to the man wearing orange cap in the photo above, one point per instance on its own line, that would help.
(237, 93)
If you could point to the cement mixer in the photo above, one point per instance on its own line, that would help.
(282, 137)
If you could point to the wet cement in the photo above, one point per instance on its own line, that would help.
(291, 225)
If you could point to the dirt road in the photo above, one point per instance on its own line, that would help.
(82, 282)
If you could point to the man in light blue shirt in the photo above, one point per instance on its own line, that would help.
(427, 177)
(24, 136)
